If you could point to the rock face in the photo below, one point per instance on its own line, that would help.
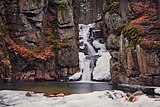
(40, 38)
(134, 44)
(87, 11)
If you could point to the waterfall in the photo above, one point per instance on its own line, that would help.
(91, 50)
(84, 33)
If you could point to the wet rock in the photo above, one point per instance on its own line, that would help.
(29, 94)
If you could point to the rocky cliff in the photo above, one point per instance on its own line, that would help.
(131, 32)
(38, 40)
(87, 11)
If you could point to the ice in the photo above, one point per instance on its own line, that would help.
(102, 69)
(95, 99)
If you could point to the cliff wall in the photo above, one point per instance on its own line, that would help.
(38, 39)
(133, 41)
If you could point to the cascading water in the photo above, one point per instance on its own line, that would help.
(84, 33)
(91, 50)
(88, 56)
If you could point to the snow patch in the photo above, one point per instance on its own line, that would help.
(76, 76)
(102, 69)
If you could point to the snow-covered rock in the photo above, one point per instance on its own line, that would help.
(76, 76)
(94, 99)
(157, 90)
(102, 69)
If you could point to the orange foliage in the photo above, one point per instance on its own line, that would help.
(6, 62)
(29, 54)
(139, 20)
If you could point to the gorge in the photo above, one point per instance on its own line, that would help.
(79, 45)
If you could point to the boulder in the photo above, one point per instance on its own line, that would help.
(29, 94)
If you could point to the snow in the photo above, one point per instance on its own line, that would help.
(157, 90)
(95, 99)
(97, 45)
(76, 76)
(102, 69)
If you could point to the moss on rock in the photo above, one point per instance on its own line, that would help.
(132, 32)
(113, 7)
(63, 7)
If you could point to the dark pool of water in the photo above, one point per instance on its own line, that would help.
(58, 87)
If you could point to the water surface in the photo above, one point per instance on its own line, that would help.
(58, 87)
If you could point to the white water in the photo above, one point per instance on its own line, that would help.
(91, 50)
(84, 32)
